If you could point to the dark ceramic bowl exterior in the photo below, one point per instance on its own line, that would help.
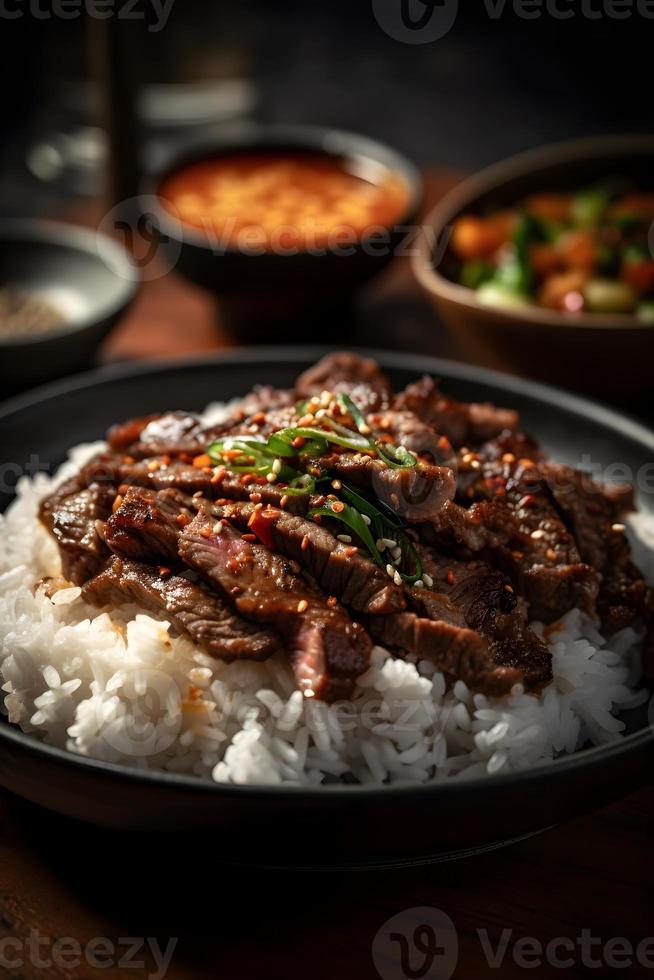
(45, 257)
(258, 289)
(337, 825)
(594, 352)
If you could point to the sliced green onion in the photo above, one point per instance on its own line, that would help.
(348, 405)
(352, 519)
(349, 442)
(397, 457)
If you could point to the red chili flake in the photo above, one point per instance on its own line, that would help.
(218, 474)
(205, 532)
(518, 555)
(298, 442)
(249, 537)
(183, 520)
(451, 577)
(258, 418)
(222, 501)
(123, 488)
(551, 554)
(255, 497)
(194, 693)
(260, 481)
(165, 459)
(332, 601)
(527, 500)
(317, 519)
(444, 444)
(163, 571)
(247, 479)
(351, 551)
(128, 460)
(305, 543)
(284, 500)
(185, 458)
(338, 507)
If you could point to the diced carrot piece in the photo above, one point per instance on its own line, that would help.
(477, 238)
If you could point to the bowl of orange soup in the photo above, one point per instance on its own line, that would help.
(283, 220)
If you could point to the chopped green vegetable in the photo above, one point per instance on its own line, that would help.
(475, 272)
(589, 207)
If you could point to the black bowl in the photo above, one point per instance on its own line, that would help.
(87, 276)
(337, 825)
(260, 290)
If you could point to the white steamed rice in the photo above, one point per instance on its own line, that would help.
(121, 687)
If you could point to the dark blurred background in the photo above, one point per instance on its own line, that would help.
(491, 86)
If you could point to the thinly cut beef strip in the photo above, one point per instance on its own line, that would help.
(192, 609)
(593, 513)
(463, 423)
(542, 558)
(415, 493)
(459, 652)
(146, 525)
(477, 596)
(339, 569)
(72, 514)
(327, 649)
(359, 377)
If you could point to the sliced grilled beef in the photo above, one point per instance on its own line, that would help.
(146, 525)
(327, 649)
(359, 377)
(192, 609)
(459, 652)
(463, 423)
(593, 512)
(340, 569)
(477, 596)
(73, 514)
(415, 493)
(542, 557)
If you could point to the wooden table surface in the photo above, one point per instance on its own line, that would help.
(584, 885)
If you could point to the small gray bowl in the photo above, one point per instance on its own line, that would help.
(86, 276)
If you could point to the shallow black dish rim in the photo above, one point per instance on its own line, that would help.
(547, 772)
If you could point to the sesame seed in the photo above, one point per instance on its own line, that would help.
(366, 519)
(337, 485)
(538, 534)
(379, 544)
(397, 578)
(309, 694)
(284, 500)
(153, 465)
(302, 606)
(321, 413)
(618, 527)
(389, 543)
(390, 571)
(218, 527)
(277, 467)
(345, 538)
(255, 497)
(427, 580)
(271, 478)
(419, 584)
(475, 464)
(197, 494)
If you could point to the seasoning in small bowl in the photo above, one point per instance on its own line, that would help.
(25, 315)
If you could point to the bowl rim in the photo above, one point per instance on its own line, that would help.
(550, 771)
(465, 194)
(77, 238)
(330, 141)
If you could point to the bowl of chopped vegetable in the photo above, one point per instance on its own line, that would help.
(544, 263)
(62, 289)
